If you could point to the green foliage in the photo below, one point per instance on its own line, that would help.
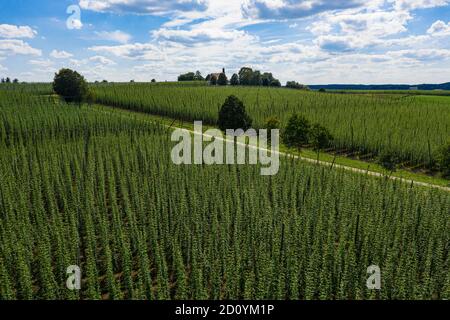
(249, 77)
(234, 80)
(443, 159)
(296, 133)
(246, 76)
(232, 115)
(363, 123)
(190, 76)
(70, 85)
(272, 123)
(275, 83)
(320, 137)
(296, 85)
(144, 228)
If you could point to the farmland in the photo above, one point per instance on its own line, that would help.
(409, 127)
(80, 187)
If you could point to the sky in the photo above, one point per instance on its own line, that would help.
(308, 41)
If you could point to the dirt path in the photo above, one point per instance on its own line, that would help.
(126, 113)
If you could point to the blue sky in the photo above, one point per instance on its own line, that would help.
(309, 41)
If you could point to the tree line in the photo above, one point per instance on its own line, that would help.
(245, 77)
(8, 80)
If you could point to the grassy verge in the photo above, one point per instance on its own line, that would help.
(305, 153)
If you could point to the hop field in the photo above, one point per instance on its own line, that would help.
(410, 127)
(101, 192)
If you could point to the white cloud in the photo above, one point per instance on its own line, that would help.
(14, 47)
(434, 55)
(439, 28)
(41, 63)
(60, 54)
(143, 6)
(294, 9)
(319, 28)
(200, 36)
(418, 4)
(10, 31)
(115, 36)
(102, 60)
(135, 51)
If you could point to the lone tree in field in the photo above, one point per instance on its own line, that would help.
(70, 85)
(296, 133)
(232, 115)
(320, 138)
(222, 80)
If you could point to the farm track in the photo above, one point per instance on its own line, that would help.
(126, 113)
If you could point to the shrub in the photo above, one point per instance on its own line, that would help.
(232, 115)
(320, 137)
(296, 133)
(70, 85)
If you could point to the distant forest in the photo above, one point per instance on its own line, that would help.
(444, 86)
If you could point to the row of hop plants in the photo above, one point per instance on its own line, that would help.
(299, 132)
(410, 127)
(139, 227)
(143, 228)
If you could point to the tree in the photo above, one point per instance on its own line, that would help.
(245, 76)
(275, 83)
(16, 80)
(3, 80)
(223, 80)
(8, 80)
(105, 81)
(322, 90)
(296, 133)
(296, 85)
(267, 79)
(234, 80)
(320, 138)
(443, 159)
(232, 115)
(190, 76)
(208, 78)
(70, 85)
(256, 79)
(198, 76)
(153, 80)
